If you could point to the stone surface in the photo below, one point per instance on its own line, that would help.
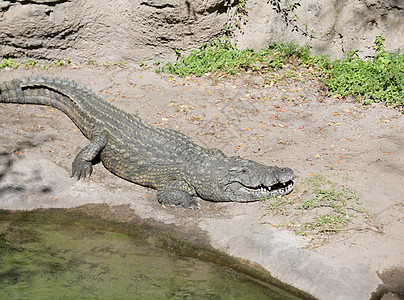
(150, 30)
(107, 30)
(335, 26)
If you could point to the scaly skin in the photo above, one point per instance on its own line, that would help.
(158, 158)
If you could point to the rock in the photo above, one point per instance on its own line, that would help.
(40, 29)
(150, 30)
(335, 26)
(104, 30)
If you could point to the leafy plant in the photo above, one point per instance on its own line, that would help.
(45, 66)
(8, 62)
(242, 7)
(62, 62)
(222, 56)
(29, 64)
(379, 79)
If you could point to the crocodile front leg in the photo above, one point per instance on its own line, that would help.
(177, 192)
(81, 166)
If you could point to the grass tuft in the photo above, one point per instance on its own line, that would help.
(318, 209)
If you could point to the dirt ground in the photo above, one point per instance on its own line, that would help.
(280, 121)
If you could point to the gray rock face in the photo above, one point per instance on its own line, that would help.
(135, 30)
(123, 30)
(39, 29)
(335, 26)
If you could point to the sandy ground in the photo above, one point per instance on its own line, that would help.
(288, 123)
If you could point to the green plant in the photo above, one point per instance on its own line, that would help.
(222, 56)
(326, 223)
(278, 204)
(8, 62)
(29, 64)
(93, 63)
(318, 208)
(178, 52)
(227, 31)
(380, 79)
(242, 7)
(45, 66)
(62, 62)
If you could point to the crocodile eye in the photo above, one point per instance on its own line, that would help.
(238, 170)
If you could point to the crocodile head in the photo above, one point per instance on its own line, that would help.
(242, 180)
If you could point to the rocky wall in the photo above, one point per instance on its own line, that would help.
(150, 30)
(330, 26)
(102, 30)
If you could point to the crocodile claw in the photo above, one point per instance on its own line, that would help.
(81, 169)
(194, 207)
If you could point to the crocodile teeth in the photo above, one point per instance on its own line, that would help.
(277, 189)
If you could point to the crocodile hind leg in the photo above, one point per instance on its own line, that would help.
(177, 192)
(82, 166)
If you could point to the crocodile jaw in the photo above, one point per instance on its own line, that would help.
(247, 194)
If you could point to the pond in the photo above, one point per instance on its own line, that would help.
(57, 255)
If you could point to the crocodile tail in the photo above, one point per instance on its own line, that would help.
(33, 90)
(11, 92)
(63, 94)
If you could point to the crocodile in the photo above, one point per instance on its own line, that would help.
(158, 158)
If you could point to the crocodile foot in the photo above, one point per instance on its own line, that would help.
(81, 169)
(169, 197)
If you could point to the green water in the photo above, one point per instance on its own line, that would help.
(71, 261)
